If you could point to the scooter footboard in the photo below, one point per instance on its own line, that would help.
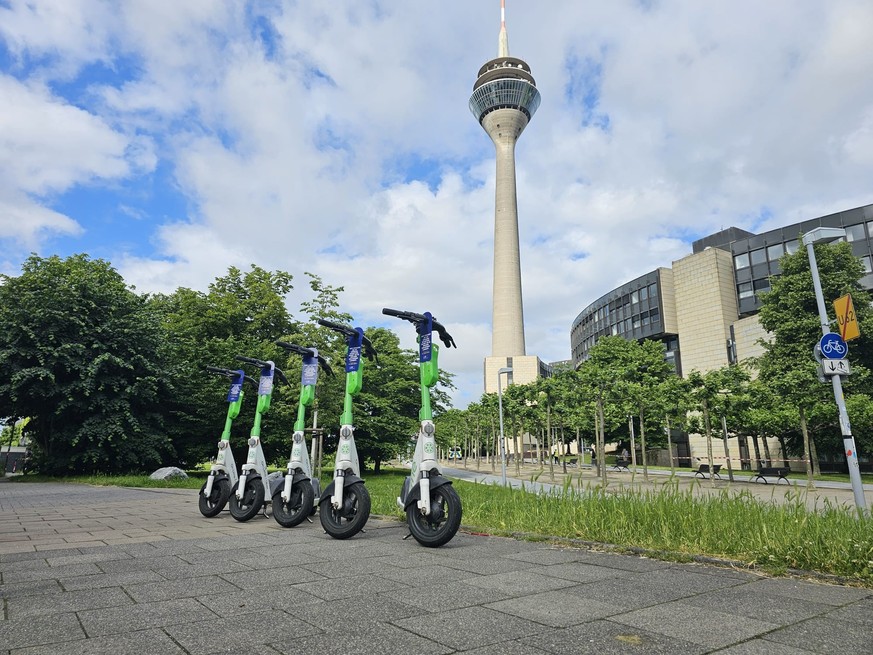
(436, 481)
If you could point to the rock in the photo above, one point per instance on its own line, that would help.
(169, 473)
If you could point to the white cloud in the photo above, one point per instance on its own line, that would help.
(335, 138)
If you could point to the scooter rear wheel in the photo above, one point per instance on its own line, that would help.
(251, 502)
(299, 505)
(349, 519)
(217, 499)
(441, 525)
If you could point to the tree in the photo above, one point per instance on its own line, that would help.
(790, 313)
(79, 354)
(240, 314)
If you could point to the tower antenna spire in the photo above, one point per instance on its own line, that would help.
(503, 40)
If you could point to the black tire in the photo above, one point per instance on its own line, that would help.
(252, 500)
(211, 506)
(350, 519)
(441, 525)
(299, 505)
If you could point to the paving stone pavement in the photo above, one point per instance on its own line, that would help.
(95, 570)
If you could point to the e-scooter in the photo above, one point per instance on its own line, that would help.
(252, 490)
(223, 474)
(432, 506)
(295, 499)
(344, 506)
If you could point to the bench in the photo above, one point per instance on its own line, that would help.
(572, 461)
(780, 472)
(621, 464)
(703, 470)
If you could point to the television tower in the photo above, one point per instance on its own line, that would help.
(504, 99)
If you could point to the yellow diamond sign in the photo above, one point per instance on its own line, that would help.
(846, 318)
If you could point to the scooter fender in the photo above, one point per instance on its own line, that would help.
(278, 484)
(215, 479)
(328, 490)
(436, 481)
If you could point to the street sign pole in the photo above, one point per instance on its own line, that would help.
(845, 427)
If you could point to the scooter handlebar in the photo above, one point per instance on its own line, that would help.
(418, 319)
(305, 352)
(252, 360)
(337, 327)
(229, 373)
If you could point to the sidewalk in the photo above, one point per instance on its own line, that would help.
(110, 570)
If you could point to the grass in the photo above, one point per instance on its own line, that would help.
(669, 522)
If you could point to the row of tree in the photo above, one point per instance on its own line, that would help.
(777, 395)
(115, 381)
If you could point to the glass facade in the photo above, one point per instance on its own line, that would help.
(632, 311)
(756, 257)
(505, 94)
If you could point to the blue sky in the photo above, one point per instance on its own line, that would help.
(177, 139)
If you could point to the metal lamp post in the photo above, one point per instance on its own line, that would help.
(500, 372)
(823, 235)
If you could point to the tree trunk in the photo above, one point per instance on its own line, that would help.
(813, 454)
(727, 453)
(643, 445)
(495, 446)
(519, 437)
(707, 426)
(633, 440)
(757, 450)
(810, 482)
(551, 442)
(670, 446)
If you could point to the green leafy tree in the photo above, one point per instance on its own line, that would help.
(79, 354)
(790, 313)
(242, 313)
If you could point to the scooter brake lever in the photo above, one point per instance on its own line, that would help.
(281, 376)
(324, 365)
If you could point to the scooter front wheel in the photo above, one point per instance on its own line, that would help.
(217, 499)
(440, 526)
(349, 519)
(242, 509)
(299, 505)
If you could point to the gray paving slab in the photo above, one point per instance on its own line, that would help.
(153, 642)
(141, 571)
(826, 635)
(610, 638)
(241, 634)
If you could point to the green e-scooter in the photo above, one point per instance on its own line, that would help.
(295, 499)
(223, 475)
(432, 506)
(344, 506)
(252, 490)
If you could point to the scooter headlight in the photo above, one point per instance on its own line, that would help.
(429, 429)
(222, 444)
(253, 442)
(345, 432)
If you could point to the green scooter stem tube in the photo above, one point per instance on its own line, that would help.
(232, 412)
(307, 395)
(425, 413)
(347, 418)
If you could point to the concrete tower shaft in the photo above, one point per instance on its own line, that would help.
(504, 99)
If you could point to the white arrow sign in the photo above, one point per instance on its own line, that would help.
(835, 367)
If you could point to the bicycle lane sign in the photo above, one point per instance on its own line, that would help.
(833, 347)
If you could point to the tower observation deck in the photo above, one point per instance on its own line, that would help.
(504, 99)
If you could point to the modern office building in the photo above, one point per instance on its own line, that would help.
(504, 100)
(704, 306)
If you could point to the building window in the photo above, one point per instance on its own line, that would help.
(775, 252)
(855, 233)
(644, 293)
(653, 291)
(758, 256)
(761, 286)
(741, 261)
(635, 297)
(656, 316)
(744, 290)
(791, 246)
(865, 262)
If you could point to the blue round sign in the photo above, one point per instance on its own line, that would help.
(833, 347)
